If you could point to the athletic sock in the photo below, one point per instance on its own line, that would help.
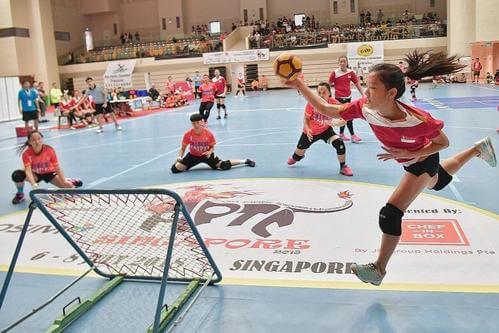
(20, 188)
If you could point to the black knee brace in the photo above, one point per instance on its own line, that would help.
(175, 170)
(297, 157)
(390, 220)
(219, 105)
(18, 176)
(443, 179)
(339, 145)
(225, 165)
(223, 106)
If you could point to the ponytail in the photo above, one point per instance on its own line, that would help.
(423, 64)
(420, 64)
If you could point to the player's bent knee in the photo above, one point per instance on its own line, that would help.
(18, 176)
(339, 145)
(225, 165)
(219, 105)
(175, 169)
(390, 220)
(443, 179)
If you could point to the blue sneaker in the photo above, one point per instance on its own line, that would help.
(486, 150)
(368, 273)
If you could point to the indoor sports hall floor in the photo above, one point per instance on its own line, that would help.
(266, 127)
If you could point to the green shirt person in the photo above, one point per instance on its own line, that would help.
(55, 95)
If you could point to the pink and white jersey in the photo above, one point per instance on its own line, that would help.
(412, 133)
(318, 122)
(341, 82)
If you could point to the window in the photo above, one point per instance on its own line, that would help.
(245, 15)
(335, 7)
(299, 19)
(115, 28)
(261, 14)
(163, 23)
(178, 22)
(432, 3)
(352, 6)
(215, 27)
(62, 35)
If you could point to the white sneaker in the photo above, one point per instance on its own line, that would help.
(118, 128)
(368, 273)
(99, 130)
(486, 150)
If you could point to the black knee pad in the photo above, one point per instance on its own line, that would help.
(223, 106)
(18, 176)
(219, 105)
(443, 179)
(297, 157)
(175, 170)
(225, 165)
(339, 145)
(390, 220)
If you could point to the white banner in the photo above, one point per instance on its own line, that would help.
(366, 54)
(119, 74)
(236, 56)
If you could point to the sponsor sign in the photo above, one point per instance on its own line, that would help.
(365, 54)
(283, 229)
(236, 56)
(119, 74)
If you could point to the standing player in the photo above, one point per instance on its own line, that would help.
(40, 163)
(101, 107)
(476, 67)
(241, 85)
(317, 126)
(340, 78)
(201, 144)
(27, 98)
(221, 85)
(414, 84)
(410, 136)
(207, 91)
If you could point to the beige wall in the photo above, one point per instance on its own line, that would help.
(288, 8)
(141, 16)
(486, 24)
(253, 8)
(202, 12)
(99, 6)
(345, 15)
(102, 28)
(169, 11)
(396, 8)
(461, 26)
(67, 18)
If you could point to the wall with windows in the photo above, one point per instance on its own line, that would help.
(344, 11)
(393, 8)
(288, 8)
(67, 18)
(202, 12)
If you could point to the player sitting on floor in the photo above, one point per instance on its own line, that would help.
(40, 163)
(201, 144)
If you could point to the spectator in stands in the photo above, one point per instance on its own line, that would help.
(379, 17)
(362, 18)
(153, 92)
(122, 39)
(42, 100)
(137, 36)
(368, 17)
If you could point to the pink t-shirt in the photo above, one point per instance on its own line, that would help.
(317, 121)
(199, 143)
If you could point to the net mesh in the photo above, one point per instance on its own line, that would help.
(128, 234)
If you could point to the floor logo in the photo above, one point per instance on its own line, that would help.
(433, 232)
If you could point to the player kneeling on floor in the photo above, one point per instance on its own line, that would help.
(40, 163)
(201, 144)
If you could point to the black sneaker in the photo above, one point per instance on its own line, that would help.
(76, 182)
(18, 198)
(218, 117)
(225, 116)
(250, 163)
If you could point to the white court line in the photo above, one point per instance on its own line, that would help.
(456, 192)
(475, 86)
(105, 179)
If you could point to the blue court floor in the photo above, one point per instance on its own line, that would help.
(263, 126)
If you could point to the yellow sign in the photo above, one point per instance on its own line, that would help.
(365, 50)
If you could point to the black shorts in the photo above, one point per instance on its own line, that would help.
(476, 73)
(219, 96)
(100, 109)
(46, 177)
(190, 160)
(430, 166)
(343, 100)
(205, 106)
(30, 115)
(305, 143)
